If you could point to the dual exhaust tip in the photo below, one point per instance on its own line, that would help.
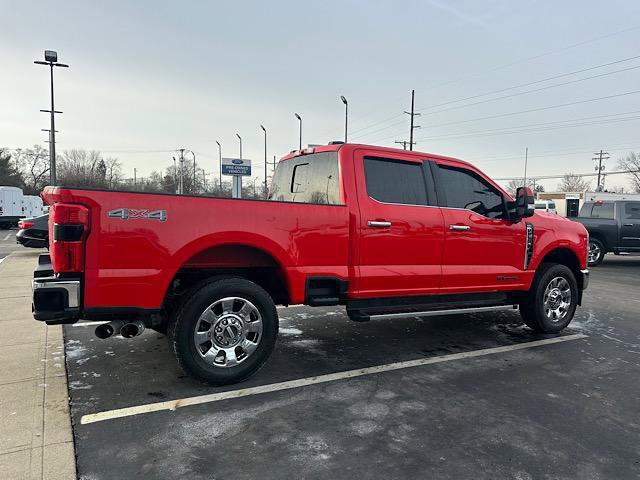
(126, 329)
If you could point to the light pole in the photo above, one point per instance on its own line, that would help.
(51, 59)
(299, 130)
(236, 191)
(220, 164)
(265, 160)
(240, 138)
(346, 115)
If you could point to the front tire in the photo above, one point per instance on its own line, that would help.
(225, 332)
(552, 299)
(596, 252)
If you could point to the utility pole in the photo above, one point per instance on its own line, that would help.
(412, 114)
(181, 184)
(600, 156)
(135, 175)
(175, 176)
(526, 159)
(204, 181)
(403, 143)
(51, 59)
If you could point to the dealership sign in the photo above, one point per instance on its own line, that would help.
(236, 166)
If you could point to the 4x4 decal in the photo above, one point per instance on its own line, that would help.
(132, 213)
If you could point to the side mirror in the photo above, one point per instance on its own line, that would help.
(525, 203)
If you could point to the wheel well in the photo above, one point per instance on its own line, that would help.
(567, 257)
(227, 261)
(600, 238)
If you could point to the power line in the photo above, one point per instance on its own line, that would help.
(551, 177)
(539, 109)
(535, 90)
(531, 83)
(532, 127)
(500, 67)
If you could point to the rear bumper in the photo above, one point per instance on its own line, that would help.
(55, 300)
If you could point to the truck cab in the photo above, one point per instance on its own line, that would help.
(613, 226)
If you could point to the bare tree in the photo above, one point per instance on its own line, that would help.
(513, 185)
(33, 164)
(631, 163)
(573, 183)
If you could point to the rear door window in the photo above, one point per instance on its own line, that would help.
(632, 211)
(395, 181)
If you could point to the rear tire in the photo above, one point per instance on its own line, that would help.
(596, 252)
(552, 299)
(225, 332)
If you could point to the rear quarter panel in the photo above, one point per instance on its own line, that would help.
(130, 263)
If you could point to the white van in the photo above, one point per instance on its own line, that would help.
(546, 205)
(10, 206)
(32, 206)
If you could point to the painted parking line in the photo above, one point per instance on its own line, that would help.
(7, 237)
(303, 382)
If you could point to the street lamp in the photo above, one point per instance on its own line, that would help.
(240, 138)
(51, 59)
(346, 115)
(265, 160)
(220, 164)
(236, 190)
(300, 130)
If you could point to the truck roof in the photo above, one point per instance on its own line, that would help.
(333, 147)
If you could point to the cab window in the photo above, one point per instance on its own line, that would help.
(465, 189)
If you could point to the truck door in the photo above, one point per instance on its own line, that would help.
(483, 250)
(630, 224)
(401, 227)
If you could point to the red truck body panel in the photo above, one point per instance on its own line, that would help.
(131, 262)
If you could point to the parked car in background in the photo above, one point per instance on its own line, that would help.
(613, 226)
(546, 205)
(34, 232)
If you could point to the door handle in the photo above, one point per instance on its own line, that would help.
(459, 228)
(378, 224)
(627, 224)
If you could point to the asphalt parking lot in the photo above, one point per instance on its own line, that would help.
(542, 410)
(7, 242)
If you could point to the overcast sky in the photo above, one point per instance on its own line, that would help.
(149, 77)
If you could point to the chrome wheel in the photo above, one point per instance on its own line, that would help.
(228, 332)
(594, 252)
(557, 299)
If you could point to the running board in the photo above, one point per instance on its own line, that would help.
(454, 311)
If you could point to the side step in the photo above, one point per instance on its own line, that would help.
(360, 316)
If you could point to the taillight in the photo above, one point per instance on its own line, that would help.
(22, 225)
(68, 228)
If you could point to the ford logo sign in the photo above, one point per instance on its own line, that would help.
(237, 161)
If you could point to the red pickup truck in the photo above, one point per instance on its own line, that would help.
(384, 232)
